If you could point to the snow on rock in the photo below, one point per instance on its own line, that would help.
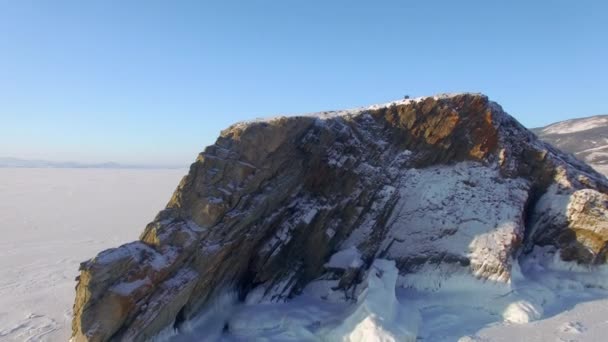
(127, 288)
(346, 258)
(458, 214)
(576, 221)
(490, 253)
(162, 306)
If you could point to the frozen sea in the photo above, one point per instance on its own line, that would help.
(53, 219)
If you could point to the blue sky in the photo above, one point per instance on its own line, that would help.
(155, 81)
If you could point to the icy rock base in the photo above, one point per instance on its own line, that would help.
(378, 316)
(448, 305)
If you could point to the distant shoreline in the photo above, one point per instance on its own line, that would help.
(94, 167)
(10, 162)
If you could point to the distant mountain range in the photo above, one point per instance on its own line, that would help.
(29, 163)
(586, 138)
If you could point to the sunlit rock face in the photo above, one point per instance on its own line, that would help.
(450, 182)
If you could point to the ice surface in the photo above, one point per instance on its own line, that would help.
(53, 219)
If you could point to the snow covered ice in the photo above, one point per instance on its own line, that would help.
(45, 220)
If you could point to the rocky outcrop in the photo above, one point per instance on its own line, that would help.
(450, 181)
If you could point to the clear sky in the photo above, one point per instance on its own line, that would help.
(155, 81)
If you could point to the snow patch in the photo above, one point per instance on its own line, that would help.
(350, 257)
(522, 311)
(126, 288)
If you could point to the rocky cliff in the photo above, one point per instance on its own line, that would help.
(450, 182)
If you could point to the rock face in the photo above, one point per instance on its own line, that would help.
(450, 181)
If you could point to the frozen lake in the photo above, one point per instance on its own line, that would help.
(53, 219)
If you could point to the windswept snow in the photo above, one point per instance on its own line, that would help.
(53, 219)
